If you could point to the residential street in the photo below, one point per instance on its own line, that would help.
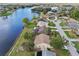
(70, 47)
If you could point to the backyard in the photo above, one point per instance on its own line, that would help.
(17, 45)
(24, 44)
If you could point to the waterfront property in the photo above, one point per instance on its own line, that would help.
(42, 41)
(42, 23)
(11, 27)
(40, 31)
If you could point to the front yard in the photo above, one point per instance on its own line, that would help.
(71, 34)
(76, 45)
(57, 43)
(62, 52)
(63, 23)
(51, 24)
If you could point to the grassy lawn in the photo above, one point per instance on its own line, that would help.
(76, 45)
(51, 24)
(31, 26)
(5, 14)
(63, 23)
(18, 43)
(62, 52)
(54, 34)
(66, 29)
(53, 29)
(71, 34)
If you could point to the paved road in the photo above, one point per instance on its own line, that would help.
(74, 40)
(70, 47)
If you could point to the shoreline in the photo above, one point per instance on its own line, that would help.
(14, 44)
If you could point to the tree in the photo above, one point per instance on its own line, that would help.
(28, 46)
(28, 36)
(25, 20)
(31, 24)
(44, 11)
(57, 42)
(75, 14)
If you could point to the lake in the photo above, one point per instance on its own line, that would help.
(11, 28)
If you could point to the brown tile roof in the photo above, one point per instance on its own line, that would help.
(41, 38)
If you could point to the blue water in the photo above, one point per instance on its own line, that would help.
(11, 27)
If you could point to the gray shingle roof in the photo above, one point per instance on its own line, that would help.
(73, 25)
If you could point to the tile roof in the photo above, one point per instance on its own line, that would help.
(41, 38)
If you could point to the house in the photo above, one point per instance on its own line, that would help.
(64, 17)
(39, 29)
(1, 8)
(42, 23)
(50, 13)
(42, 42)
(67, 7)
(74, 25)
(56, 9)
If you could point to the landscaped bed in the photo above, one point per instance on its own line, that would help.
(71, 34)
(51, 24)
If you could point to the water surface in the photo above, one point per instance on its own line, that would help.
(11, 27)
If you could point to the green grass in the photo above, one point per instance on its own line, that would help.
(23, 53)
(5, 14)
(62, 52)
(55, 34)
(31, 25)
(63, 23)
(76, 45)
(59, 52)
(18, 43)
(53, 29)
(70, 34)
(66, 29)
(51, 24)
